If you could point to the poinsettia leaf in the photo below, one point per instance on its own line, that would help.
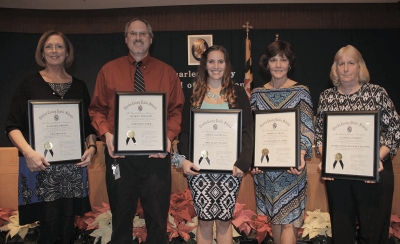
(260, 236)
(396, 229)
(184, 215)
(106, 237)
(312, 234)
(80, 222)
(185, 228)
(184, 235)
(238, 220)
(238, 207)
(22, 232)
(14, 231)
(173, 234)
(235, 233)
(89, 221)
(394, 218)
(305, 232)
(4, 228)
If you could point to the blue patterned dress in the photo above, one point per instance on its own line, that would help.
(280, 195)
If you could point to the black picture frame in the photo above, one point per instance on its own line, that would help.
(277, 139)
(351, 141)
(140, 123)
(215, 139)
(58, 126)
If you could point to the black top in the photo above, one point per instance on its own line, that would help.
(242, 102)
(34, 87)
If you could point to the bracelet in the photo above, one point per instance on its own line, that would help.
(177, 160)
(95, 148)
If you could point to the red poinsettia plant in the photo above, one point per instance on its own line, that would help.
(246, 220)
(181, 219)
(5, 214)
(86, 221)
(395, 226)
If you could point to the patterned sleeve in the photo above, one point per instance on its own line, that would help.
(306, 118)
(319, 122)
(389, 124)
(253, 100)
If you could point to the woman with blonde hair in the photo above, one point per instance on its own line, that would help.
(352, 201)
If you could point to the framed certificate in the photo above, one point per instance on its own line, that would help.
(140, 126)
(56, 129)
(351, 145)
(215, 139)
(277, 139)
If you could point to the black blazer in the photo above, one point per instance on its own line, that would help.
(242, 102)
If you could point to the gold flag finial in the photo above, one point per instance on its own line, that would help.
(248, 27)
(276, 37)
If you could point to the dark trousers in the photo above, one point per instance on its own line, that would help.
(149, 180)
(111, 185)
(61, 231)
(353, 202)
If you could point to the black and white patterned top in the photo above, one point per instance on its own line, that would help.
(60, 88)
(368, 97)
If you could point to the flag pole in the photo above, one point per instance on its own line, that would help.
(248, 76)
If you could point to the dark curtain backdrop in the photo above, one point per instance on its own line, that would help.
(315, 50)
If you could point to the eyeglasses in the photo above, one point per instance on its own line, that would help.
(140, 33)
(51, 47)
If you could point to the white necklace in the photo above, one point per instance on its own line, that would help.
(212, 95)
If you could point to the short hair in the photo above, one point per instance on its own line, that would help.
(42, 41)
(277, 48)
(363, 75)
(144, 21)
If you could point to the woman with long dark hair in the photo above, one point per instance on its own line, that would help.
(215, 89)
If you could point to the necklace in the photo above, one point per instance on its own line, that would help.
(212, 95)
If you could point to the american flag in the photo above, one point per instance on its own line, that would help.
(248, 76)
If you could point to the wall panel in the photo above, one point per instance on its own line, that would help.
(207, 17)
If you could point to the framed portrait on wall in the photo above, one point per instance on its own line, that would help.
(197, 44)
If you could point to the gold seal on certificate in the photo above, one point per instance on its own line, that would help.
(48, 147)
(264, 153)
(204, 154)
(130, 135)
(338, 158)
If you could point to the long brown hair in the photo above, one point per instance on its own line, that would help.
(201, 88)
